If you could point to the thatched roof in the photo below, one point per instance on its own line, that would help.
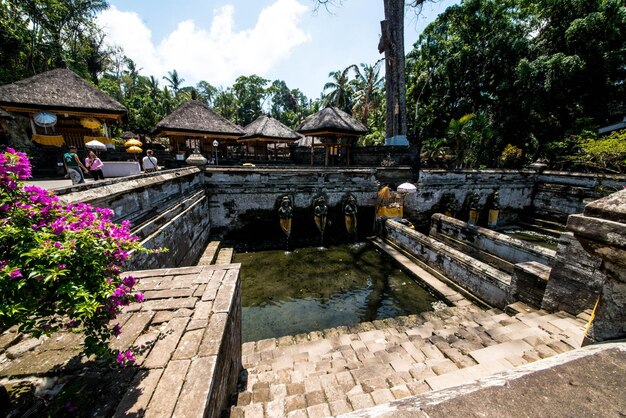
(58, 90)
(266, 127)
(128, 135)
(196, 118)
(331, 121)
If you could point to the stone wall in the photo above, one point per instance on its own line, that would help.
(166, 209)
(482, 280)
(514, 187)
(559, 194)
(575, 280)
(501, 245)
(245, 198)
(183, 230)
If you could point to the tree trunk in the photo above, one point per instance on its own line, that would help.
(392, 44)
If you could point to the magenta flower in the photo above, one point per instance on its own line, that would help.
(139, 297)
(17, 273)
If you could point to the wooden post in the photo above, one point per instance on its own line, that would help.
(325, 155)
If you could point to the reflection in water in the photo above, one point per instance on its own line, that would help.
(286, 293)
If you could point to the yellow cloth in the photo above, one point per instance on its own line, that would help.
(389, 212)
(54, 140)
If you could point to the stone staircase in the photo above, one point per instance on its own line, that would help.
(344, 369)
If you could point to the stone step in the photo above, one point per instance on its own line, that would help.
(225, 256)
(209, 254)
(345, 369)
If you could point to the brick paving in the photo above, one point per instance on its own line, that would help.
(339, 370)
(179, 335)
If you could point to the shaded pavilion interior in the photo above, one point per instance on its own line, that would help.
(82, 110)
(267, 138)
(337, 132)
(194, 126)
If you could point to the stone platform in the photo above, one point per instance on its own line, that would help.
(187, 337)
(346, 369)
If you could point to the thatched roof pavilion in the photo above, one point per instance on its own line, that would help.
(59, 91)
(196, 122)
(266, 130)
(336, 128)
(80, 107)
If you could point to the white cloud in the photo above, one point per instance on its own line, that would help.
(217, 54)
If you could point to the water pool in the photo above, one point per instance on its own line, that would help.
(287, 293)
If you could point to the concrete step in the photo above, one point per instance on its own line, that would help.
(346, 369)
(225, 256)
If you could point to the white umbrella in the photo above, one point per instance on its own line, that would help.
(97, 145)
(407, 188)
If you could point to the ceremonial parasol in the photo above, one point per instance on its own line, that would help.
(45, 119)
(97, 145)
(133, 143)
(90, 123)
(134, 150)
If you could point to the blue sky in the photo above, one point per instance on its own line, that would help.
(217, 41)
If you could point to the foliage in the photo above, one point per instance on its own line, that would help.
(59, 266)
(534, 68)
(39, 35)
(606, 154)
(511, 157)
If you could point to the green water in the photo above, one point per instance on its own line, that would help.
(287, 293)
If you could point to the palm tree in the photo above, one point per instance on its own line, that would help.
(369, 87)
(457, 132)
(340, 94)
(174, 80)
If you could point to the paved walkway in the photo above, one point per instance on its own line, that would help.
(344, 369)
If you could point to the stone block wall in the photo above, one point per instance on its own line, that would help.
(166, 209)
(528, 283)
(559, 194)
(136, 198)
(480, 279)
(514, 187)
(576, 278)
(183, 230)
(243, 197)
(501, 245)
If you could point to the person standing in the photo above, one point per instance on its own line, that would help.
(94, 164)
(73, 166)
(149, 162)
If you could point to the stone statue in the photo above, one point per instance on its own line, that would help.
(349, 211)
(285, 213)
(320, 213)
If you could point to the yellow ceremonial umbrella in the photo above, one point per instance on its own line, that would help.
(134, 150)
(133, 143)
(90, 123)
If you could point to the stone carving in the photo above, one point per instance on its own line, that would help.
(285, 213)
(350, 211)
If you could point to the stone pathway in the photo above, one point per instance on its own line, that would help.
(344, 369)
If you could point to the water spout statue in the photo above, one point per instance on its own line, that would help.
(349, 212)
(285, 213)
(320, 215)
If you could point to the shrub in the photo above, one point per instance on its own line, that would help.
(60, 265)
(511, 156)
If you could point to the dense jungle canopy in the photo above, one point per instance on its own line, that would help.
(491, 83)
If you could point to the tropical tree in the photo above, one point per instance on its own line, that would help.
(368, 94)
(338, 92)
(250, 94)
(174, 81)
